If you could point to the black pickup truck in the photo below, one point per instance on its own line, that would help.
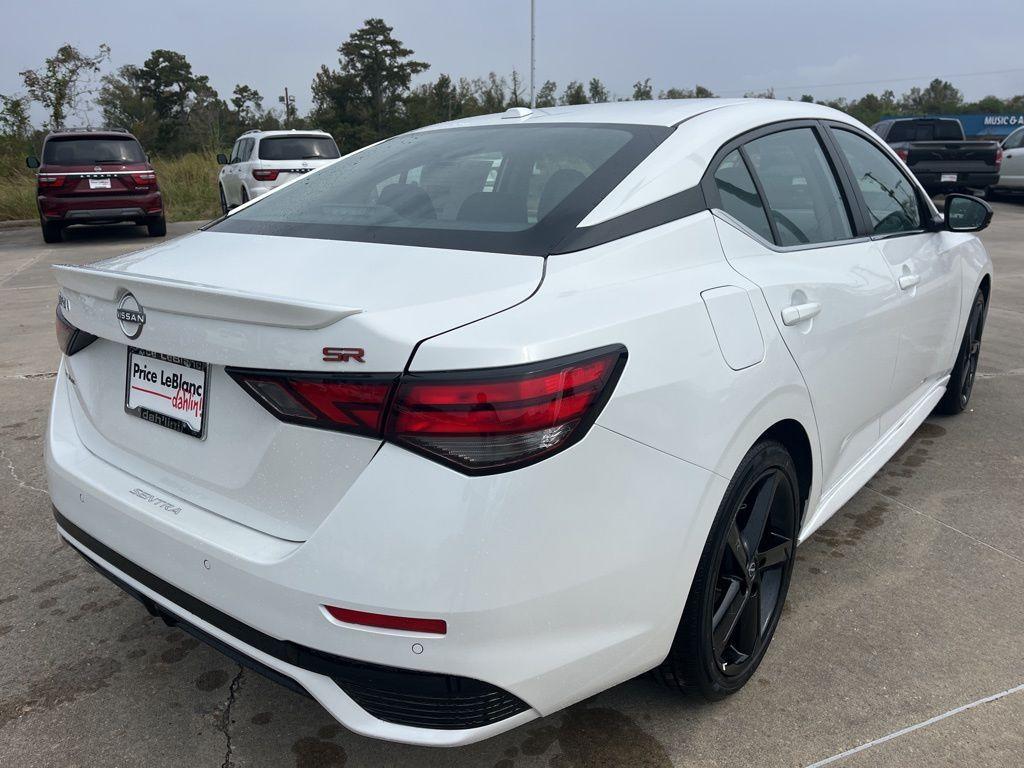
(935, 151)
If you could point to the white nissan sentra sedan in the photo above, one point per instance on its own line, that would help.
(488, 417)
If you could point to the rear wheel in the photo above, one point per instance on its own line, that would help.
(961, 381)
(51, 232)
(245, 197)
(157, 227)
(742, 579)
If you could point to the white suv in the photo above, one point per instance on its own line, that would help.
(262, 160)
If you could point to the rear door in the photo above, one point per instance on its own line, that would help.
(786, 224)
(927, 272)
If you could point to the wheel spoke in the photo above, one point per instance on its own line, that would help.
(754, 529)
(739, 551)
(727, 617)
(748, 633)
(774, 556)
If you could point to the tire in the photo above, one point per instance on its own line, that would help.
(157, 227)
(223, 201)
(245, 197)
(961, 381)
(52, 232)
(724, 633)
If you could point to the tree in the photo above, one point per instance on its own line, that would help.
(700, 92)
(490, 93)
(62, 81)
(382, 69)
(940, 96)
(14, 120)
(642, 90)
(574, 93)
(248, 105)
(122, 104)
(516, 97)
(596, 91)
(546, 94)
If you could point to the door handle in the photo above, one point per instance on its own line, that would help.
(909, 281)
(800, 312)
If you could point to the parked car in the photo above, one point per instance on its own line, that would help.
(91, 176)
(490, 416)
(263, 160)
(1011, 174)
(935, 150)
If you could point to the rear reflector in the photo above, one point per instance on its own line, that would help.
(265, 175)
(480, 421)
(408, 624)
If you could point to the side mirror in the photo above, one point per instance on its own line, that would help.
(966, 213)
(32, 162)
(222, 159)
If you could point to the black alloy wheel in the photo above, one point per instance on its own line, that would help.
(965, 370)
(742, 579)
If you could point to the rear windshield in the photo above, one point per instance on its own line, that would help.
(298, 148)
(92, 150)
(925, 130)
(513, 189)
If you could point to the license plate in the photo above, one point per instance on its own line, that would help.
(948, 177)
(167, 391)
(99, 183)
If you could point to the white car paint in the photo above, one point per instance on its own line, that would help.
(1011, 172)
(237, 180)
(557, 579)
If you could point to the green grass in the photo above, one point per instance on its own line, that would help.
(188, 183)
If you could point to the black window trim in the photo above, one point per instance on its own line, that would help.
(714, 201)
(865, 216)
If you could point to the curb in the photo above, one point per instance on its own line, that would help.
(15, 223)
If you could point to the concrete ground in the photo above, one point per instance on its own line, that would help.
(905, 607)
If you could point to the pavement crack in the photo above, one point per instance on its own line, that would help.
(14, 474)
(953, 528)
(225, 719)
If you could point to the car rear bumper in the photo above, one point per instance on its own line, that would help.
(98, 209)
(556, 581)
(975, 179)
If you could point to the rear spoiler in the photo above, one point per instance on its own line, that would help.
(196, 300)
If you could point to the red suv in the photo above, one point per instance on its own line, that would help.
(96, 177)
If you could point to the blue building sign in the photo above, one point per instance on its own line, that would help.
(994, 126)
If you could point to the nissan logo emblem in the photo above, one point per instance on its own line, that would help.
(131, 316)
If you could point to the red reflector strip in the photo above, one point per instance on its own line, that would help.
(382, 621)
(49, 182)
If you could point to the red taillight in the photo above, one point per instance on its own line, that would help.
(144, 179)
(264, 175)
(999, 157)
(479, 421)
(69, 338)
(48, 181)
(406, 623)
(903, 153)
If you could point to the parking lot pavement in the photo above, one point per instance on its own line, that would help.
(905, 607)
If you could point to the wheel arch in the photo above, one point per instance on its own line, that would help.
(793, 437)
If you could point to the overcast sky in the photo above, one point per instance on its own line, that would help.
(826, 47)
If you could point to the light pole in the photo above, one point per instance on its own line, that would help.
(533, 47)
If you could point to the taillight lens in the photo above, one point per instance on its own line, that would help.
(477, 421)
(265, 175)
(144, 179)
(999, 157)
(903, 154)
(50, 181)
(69, 338)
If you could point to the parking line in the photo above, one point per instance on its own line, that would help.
(916, 726)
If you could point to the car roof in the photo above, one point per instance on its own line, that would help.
(663, 112)
(289, 132)
(90, 133)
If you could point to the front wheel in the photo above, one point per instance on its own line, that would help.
(223, 201)
(741, 581)
(961, 380)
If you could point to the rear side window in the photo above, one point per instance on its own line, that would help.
(512, 189)
(925, 130)
(800, 188)
(739, 195)
(92, 151)
(298, 148)
(890, 197)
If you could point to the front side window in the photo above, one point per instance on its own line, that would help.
(800, 189)
(1014, 140)
(298, 148)
(890, 197)
(515, 189)
(739, 195)
(92, 151)
(236, 150)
